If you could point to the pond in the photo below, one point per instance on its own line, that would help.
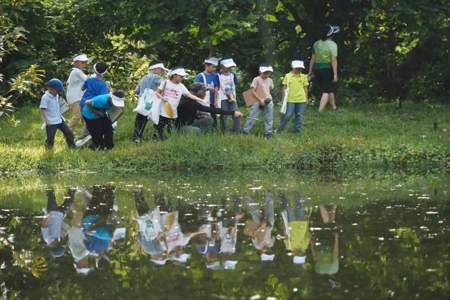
(242, 236)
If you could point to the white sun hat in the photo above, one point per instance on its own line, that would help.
(81, 57)
(178, 71)
(298, 64)
(230, 264)
(267, 257)
(83, 271)
(264, 69)
(117, 101)
(299, 260)
(228, 63)
(214, 266)
(333, 30)
(212, 60)
(159, 262)
(158, 65)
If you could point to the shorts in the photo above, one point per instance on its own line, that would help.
(324, 78)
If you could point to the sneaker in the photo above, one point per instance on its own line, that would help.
(268, 136)
(137, 141)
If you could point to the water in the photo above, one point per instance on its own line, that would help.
(251, 236)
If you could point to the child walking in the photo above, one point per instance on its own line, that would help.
(261, 87)
(51, 113)
(170, 92)
(74, 88)
(227, 93)
(296, 86)
(150, 81)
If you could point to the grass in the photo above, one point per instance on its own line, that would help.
(355, 138)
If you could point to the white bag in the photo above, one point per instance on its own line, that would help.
(285, 101)
(145, 102)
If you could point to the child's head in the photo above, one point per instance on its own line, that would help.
(117, 98)
(177, 75)
(100, 68)
(157, 68)
(329, 31)
(80, 61)
(227, 64)
(211, 64)
(55, 86)
(265, 71)
(297, 66)
(198, 89)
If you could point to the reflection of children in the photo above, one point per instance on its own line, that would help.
(296, 227)
(228, 241)
(326, 253)
(260, 228)
(150, 236)
(53, 228)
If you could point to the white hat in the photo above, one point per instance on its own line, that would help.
(178, 71)
(230, 264)
(119, 233)
(183, 258)
(228, 63)
(267, 257)
(264, 69)
(159, 262)
(298, 64)
(212, 60)
(156, 66)
(83, 271)
(81, 57)
(213, 266)
(117, 101)
(298, 260)
(333, 30)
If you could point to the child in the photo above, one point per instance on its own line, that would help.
(227, 93)
(74, 88)
(51, 113)
(53, 228)
(261, 87)
(97, 121)
(210, 79)
(296, 85)
(95, 85)
(170, 92)
(149, 81)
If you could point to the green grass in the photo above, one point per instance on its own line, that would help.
(355, 138)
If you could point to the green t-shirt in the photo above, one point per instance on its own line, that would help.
(325, 262)
(324, 52)
(296, 84)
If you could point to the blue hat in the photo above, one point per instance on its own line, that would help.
(56, 84)
(57, 251)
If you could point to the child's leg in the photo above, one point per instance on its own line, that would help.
(299, 110)
(236, 121)
(141, 206)
(51, 201)
(268, 118)
(94, 131)
(253, 116)
(160, 128)
(223, 118)
(51, 131)
(333, 101)
(289, 112)
(76, 115)
(139, 126)
(323, 101)
(68, 135)
(269, 214)
(108, 134)
(213, 116)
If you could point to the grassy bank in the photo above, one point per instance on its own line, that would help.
(357, 137)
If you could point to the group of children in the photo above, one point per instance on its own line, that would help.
(91, 99)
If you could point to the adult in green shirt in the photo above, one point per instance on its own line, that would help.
(324, 66)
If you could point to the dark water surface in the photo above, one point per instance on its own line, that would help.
(252, 236)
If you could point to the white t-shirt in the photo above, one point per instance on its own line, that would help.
(229, 239)
(76, 244)
(56, 229)
(227, 85)
(74, 85)
(173, 93)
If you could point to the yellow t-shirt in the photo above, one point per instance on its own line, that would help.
(296, 84)
(299, 237)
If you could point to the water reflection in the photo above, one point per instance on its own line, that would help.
(267, 243)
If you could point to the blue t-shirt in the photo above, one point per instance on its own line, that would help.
(51, 105)
(93, 87)
(212, 80)
(99, 240)
(99, 102)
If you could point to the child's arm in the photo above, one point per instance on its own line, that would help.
(306, 94)
(44, 115)
(311, 64)
(193, 97)
(334, 64)
(96, 111)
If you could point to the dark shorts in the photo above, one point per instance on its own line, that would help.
(324, 78)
